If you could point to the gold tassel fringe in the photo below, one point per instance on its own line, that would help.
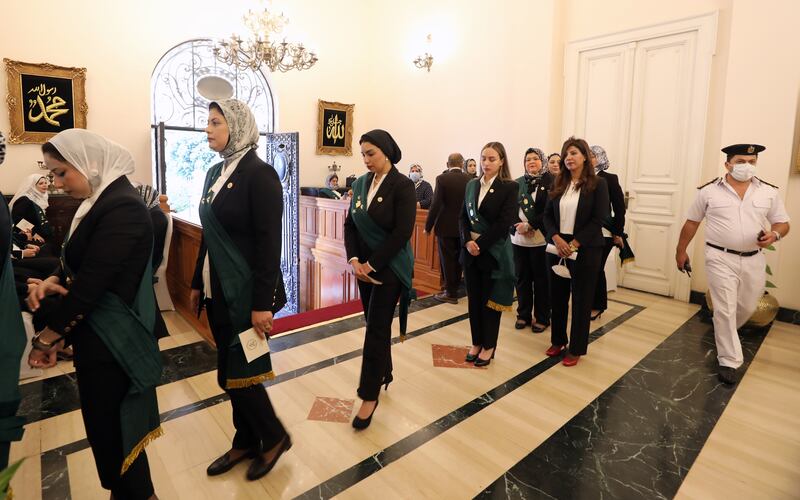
(241, 383)
(498, 307)
(9, 493)
(629, 259)
(149, 438)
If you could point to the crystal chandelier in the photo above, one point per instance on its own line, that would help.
(259, 50)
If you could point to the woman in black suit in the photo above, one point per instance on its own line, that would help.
(613, 226)
(573, 220)
(490, 208)
(106, 308)
(238, 271)
(376, 236)
(527, 238)
(30, 203)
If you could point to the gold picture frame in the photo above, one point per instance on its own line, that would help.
(44, 99)
(335, 128)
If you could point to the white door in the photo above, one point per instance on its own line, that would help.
(640, 100)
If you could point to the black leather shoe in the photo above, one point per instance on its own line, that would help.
(470, 358)
(539, 329)
(444, 297)
(484, 362)
(260, 467)
(224, 463)
(363, 423)
(727, 375)
(521, 323)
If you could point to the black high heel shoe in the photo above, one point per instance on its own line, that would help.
(386, 381)
(470, 358)
(363, 423)
(484, 362)
(597, 316)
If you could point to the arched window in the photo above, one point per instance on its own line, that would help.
(182, 81)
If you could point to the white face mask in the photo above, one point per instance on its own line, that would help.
(561, 269)
(415, 177)
(743, 172)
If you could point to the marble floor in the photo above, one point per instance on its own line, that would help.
(642, 416)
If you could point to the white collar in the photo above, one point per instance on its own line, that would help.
(486, 183)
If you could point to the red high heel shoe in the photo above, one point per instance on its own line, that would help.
(570, 360)
(555, 350)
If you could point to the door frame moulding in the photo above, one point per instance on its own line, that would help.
(706, 28)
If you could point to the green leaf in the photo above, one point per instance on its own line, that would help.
(6, 475)
(771, 285)
(769, 271)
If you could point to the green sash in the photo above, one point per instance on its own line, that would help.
(236, 279)
(12, 345)
(502, 295)
(330, 193)
(525, 199)
(402, 264)
(128, 333)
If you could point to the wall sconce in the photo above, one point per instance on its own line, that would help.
(425, 61)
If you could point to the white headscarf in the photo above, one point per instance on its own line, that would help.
(98, 159)
(28, 190)
(242, 129)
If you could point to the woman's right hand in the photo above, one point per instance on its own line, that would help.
(38, 238)
(522, 227)
(194, 300)
(473, 248)
(50, 286)
(562, 246)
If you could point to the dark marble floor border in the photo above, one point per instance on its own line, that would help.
(640, 437)
(378, 461)
(55, 476)
(54, 396)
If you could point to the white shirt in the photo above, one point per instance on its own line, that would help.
(486, 185)
(733, 222)
(568, 208)
(218, 186)
(373, 187)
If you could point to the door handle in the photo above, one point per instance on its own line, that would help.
(628, 197)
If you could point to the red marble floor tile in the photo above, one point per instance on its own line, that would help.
(331, 410)
(451, 356)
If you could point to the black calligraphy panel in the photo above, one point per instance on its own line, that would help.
(47, 104)
(334, 127)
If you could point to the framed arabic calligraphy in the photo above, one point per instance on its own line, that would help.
(335, 128)
(43, 100)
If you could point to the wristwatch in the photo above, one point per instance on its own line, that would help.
(41, 345)
(777, 235)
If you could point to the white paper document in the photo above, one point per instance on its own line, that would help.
(552, 249)
(24, 225)
(253, 345)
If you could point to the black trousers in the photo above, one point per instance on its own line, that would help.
(533, 284)
(379, 302)
(102, 385)
(449, 253)
(257, 426)
(5, 449)
(484, 323)
(584, 271)
(600, 292)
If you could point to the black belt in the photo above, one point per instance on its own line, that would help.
(734, 252)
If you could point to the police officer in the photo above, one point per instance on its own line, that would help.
(743, 215)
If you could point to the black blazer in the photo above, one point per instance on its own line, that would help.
(617, 202)
(250, 208)
(395, 213)
(542, 194)
(499, 208)
(160, 223)
(5, 233)
(592, 211)
(448, 202)
(25, 208)
(108, 252)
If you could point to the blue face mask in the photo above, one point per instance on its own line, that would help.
(415, 177)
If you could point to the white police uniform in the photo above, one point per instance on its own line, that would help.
(735, 264)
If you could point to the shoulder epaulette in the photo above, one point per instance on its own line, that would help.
(709, 182)
(767, 183)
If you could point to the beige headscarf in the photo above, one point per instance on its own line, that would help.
(28, 189)
(98, 159)
(242, 129)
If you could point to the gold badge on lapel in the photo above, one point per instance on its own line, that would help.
(358, 203)
(380, 199)
(491, 190)
(230, 185)
(525, 201)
